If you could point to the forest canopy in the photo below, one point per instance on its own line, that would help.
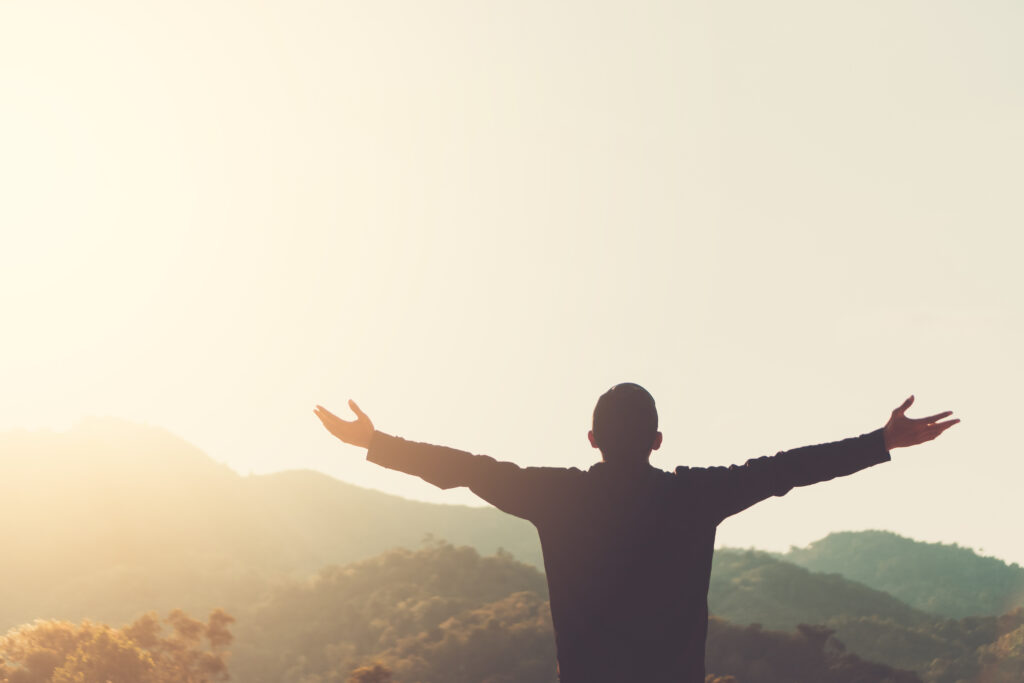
(148, 522)
(176, 649)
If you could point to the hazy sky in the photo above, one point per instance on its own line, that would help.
(474, 217)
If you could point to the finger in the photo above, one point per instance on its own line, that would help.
(903, 407)
(326, 412)
(935, 429)
(935, 418)
(332, 421)
(355, 409)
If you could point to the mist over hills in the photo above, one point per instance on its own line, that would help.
(112, 506)
(112, 519)
(115, 503)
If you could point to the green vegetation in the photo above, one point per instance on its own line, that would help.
(943, 651)
(812, 654)
(62, 652)
(751, 587)
(120, 519)
(417, 612)
(447, 614)
(933, 577)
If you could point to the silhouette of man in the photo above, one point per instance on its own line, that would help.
(627, 547)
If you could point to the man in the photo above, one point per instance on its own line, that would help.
(627, 547)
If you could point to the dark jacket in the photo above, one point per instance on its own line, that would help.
(627, 548)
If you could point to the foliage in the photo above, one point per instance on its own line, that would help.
(446, 615)
(148, 521)
(749, 587)
(1003, 660)
(812, 654)
(365, 608)
(504, 641)
(62, 652)
(934, 577)
(174, 528)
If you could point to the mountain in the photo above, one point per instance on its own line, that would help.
(934, 577)
(345, 616)
(753, 587)
(447, 614)
(111, 518)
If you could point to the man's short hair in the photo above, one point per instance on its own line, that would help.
(625, 422)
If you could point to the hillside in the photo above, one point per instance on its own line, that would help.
(111, 518)
(934, 577)
(751, 587)
(447, 614)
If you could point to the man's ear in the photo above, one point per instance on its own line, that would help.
(593, 441)
(657, 441)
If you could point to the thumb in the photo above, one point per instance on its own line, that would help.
(355, 409)
(903, 408)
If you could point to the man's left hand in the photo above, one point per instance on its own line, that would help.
(902, 431)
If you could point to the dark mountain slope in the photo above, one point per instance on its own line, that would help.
(934, 577)
(752, 587)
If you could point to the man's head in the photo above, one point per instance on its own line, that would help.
(625, 424)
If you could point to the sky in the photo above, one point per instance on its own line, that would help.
(475, 217)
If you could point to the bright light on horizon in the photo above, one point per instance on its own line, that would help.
(781, 220)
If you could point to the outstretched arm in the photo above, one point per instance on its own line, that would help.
(523, 492)
(738, 487)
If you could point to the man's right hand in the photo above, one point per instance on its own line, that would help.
(357, 432)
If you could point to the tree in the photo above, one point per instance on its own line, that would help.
(62, 652)
(181, 657)
(1003, 660)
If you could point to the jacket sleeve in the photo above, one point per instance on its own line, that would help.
(523, 492)
(729, 490)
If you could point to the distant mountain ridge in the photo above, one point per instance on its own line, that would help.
(112, 519)
(753, 587)
(110, 501)
(115, 506)
(933, 577)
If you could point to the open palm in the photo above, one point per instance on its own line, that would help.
(902, 431)
(357, 432)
